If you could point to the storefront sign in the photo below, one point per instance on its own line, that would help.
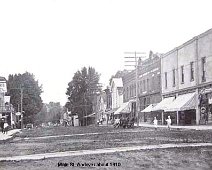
(210, 98)
(203, 109)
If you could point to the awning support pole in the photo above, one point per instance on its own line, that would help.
(177, 117)
(162, 118)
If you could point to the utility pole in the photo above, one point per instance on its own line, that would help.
(21, 89)
(21, 108)
(136, 78)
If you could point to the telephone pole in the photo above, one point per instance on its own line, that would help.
(136, 77)
(21, 90)
(21, 108)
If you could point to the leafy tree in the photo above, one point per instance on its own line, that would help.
(54, 112)
(50, 112)
(81, 92)
(41, 117)
(32, 102)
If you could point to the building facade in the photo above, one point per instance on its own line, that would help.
(116, 92)
(6, 109)
(149, 85)
(187, 70)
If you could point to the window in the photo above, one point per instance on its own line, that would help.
(140, 86)
(192, 71)
(165, 79)
(147, 84)
(203, 70)
(144, 82)
(182, 74)
(153, 83)
(173, 73)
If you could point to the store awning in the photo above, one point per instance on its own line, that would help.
(163, 104)
(91, 115)
(111, 111)
(149, 108)
(125, 108)
(182, 102)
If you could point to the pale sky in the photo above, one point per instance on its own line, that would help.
(54, 38)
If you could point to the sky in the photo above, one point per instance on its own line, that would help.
(55, 38)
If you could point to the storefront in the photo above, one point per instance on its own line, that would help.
(182, 109)
(147, 115)
(205, 104)
(160, 107)
(127, 109)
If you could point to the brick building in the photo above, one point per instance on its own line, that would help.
(149, 89)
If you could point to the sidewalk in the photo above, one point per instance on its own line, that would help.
(100, 151)
(9, 135)
(194, 127)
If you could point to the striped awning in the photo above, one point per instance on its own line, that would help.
(149, 108)
(163, 104)
(182, 102)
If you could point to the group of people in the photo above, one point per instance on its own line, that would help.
(169, 121)
(124, 122)
(4, 126)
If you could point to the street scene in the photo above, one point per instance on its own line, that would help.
(104, 147)
(105, 85)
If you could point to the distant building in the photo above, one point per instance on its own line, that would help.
(6, 108)
(116, 92)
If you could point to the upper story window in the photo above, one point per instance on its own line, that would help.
(203, 69)
(173, 74)
(147, 84)
(140, 86)
(192, 71)
(144, 82)
(182, 74)
(165, 79)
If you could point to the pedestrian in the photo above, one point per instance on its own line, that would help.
(13, 124)
(169, 121)
(155, 122)
(6, 126)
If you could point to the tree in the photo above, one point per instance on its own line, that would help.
(81, 92)
(54, 112)
(50, 112)
(32, 102)
(41, 117)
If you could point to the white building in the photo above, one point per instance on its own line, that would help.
(186, 74)
(117, 92)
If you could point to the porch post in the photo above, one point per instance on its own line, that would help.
(162, 118)
(177, 117)
(197, 108)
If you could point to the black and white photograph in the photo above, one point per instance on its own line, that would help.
(105, 84)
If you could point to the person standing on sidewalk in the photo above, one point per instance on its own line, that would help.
(6, 127)
(169, 121)
(155, 122)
